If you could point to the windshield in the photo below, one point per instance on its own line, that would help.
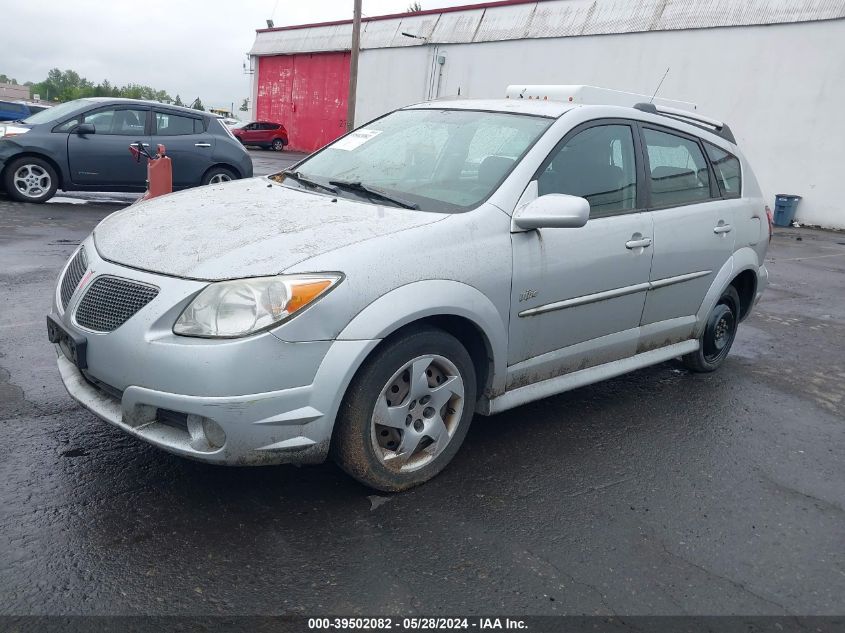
(438, 160)
(238, 125)
(55, 113)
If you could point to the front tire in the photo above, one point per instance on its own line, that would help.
(407, 411)
(216, 175)
(31, 179)
(278, 145)
(718, 336)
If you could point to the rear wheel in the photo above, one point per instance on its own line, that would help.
(278, 144)
(217, 175)
(407, 411)
(31, 179)
(719, 334)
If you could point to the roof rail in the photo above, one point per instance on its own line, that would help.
(719, 127)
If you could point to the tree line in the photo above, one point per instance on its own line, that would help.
(68, 85)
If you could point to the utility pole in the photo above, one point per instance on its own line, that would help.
(353, 67)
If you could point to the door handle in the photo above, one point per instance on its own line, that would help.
(722, 228)
(202, 144)
(640, 243)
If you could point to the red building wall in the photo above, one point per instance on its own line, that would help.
(307, 94)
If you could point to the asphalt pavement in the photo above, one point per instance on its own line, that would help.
(659, 492)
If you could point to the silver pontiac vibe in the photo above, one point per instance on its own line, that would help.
(445, 260)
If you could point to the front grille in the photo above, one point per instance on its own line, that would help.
(110, 301)
(73, 274)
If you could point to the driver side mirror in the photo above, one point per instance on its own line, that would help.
(552, 211)
(84, 128)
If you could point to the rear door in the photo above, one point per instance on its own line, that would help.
(693, 233)
(103, 158)
(188, 144)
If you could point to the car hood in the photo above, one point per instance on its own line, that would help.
(245, 228)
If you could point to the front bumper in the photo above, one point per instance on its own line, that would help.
(287, 426)
(255, 400)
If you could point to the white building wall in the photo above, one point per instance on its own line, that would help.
(780, 87)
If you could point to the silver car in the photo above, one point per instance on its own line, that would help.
(446, 260)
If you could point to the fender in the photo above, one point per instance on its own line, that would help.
(435, 297)
(743, 259)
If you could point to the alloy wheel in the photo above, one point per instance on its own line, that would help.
(218, 178)
(32, 181)
(417, 413)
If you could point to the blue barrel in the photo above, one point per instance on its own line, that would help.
(785, 206)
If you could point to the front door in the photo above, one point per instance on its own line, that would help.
(577, 294)
(188, 144)
(693, 234)
(103, 158)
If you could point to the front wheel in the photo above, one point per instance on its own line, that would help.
(278, 145)
(31, 179)
(407, 411)
(719, 334)
(217, 175)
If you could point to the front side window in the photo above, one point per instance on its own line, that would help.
(438, 160)
(728, 172)
(110, 121)
(173, 124)
(679, 173)
(597, 164)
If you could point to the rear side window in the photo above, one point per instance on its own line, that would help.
(679, 173)
(173, 124)
(199, 126)
(728, 172)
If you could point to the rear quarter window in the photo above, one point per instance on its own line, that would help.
(728, 171)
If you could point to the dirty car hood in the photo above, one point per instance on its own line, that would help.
(240, 229)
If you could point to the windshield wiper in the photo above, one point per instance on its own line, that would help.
(305, 180)
(359, 186)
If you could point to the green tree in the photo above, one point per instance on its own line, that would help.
(197, 104)
(414, 7)
(244, 106)
(4, 79)
(178, 101)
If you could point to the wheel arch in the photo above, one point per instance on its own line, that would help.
(457, 308)
(740, 271)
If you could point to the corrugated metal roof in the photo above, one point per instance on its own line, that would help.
(543, 18)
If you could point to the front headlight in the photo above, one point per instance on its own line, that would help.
(230, 309)
(12, 130)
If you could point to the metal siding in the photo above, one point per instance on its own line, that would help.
(307, 93)
(549, 18)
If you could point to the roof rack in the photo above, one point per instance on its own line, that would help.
(719, 127)
(578, 94)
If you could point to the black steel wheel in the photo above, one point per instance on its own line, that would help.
(718, 336)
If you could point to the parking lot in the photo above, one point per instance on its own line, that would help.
(659, 492)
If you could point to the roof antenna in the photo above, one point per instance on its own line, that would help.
(658, 86)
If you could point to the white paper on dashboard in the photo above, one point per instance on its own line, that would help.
(355, 139)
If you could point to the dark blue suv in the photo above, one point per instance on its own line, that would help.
(84, 145)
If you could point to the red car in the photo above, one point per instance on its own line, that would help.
(262, 133)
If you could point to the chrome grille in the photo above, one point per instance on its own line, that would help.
(73, 274)
(110, 301)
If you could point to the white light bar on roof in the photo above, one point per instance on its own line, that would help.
(591, 95)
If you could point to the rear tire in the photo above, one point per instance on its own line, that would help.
(216, 175)
(719, 334)
(278, 145)
(406, 412)
(30, 179)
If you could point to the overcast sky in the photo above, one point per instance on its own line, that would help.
(195, 48)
